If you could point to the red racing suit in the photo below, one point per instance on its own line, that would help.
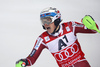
(63, 45)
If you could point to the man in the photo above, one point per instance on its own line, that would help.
(60, 40)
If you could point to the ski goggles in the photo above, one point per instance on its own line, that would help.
(46, 20)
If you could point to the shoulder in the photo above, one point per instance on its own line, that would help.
(71, 23)
(67, 23)
(43, 34)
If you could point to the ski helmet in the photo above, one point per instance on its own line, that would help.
(50, 15)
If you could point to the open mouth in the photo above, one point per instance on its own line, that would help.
(48, 28)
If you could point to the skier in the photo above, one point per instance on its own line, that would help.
(60, 39)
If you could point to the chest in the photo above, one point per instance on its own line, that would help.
(61, 42)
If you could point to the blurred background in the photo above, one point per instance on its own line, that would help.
(20, 26)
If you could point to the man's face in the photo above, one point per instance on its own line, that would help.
(50, 28)
(48, 24)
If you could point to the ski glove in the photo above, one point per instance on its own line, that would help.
(22, 63)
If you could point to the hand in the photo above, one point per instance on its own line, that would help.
(89, 22)
(22, 63)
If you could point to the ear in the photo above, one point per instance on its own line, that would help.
(57, 22)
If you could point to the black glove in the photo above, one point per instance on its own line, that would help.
(23, 64)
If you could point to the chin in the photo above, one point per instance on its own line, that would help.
(49, 32)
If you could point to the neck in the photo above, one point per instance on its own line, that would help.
(57, 29)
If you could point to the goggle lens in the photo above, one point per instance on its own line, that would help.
(46, 20)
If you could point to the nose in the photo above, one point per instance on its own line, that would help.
(45, 24)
